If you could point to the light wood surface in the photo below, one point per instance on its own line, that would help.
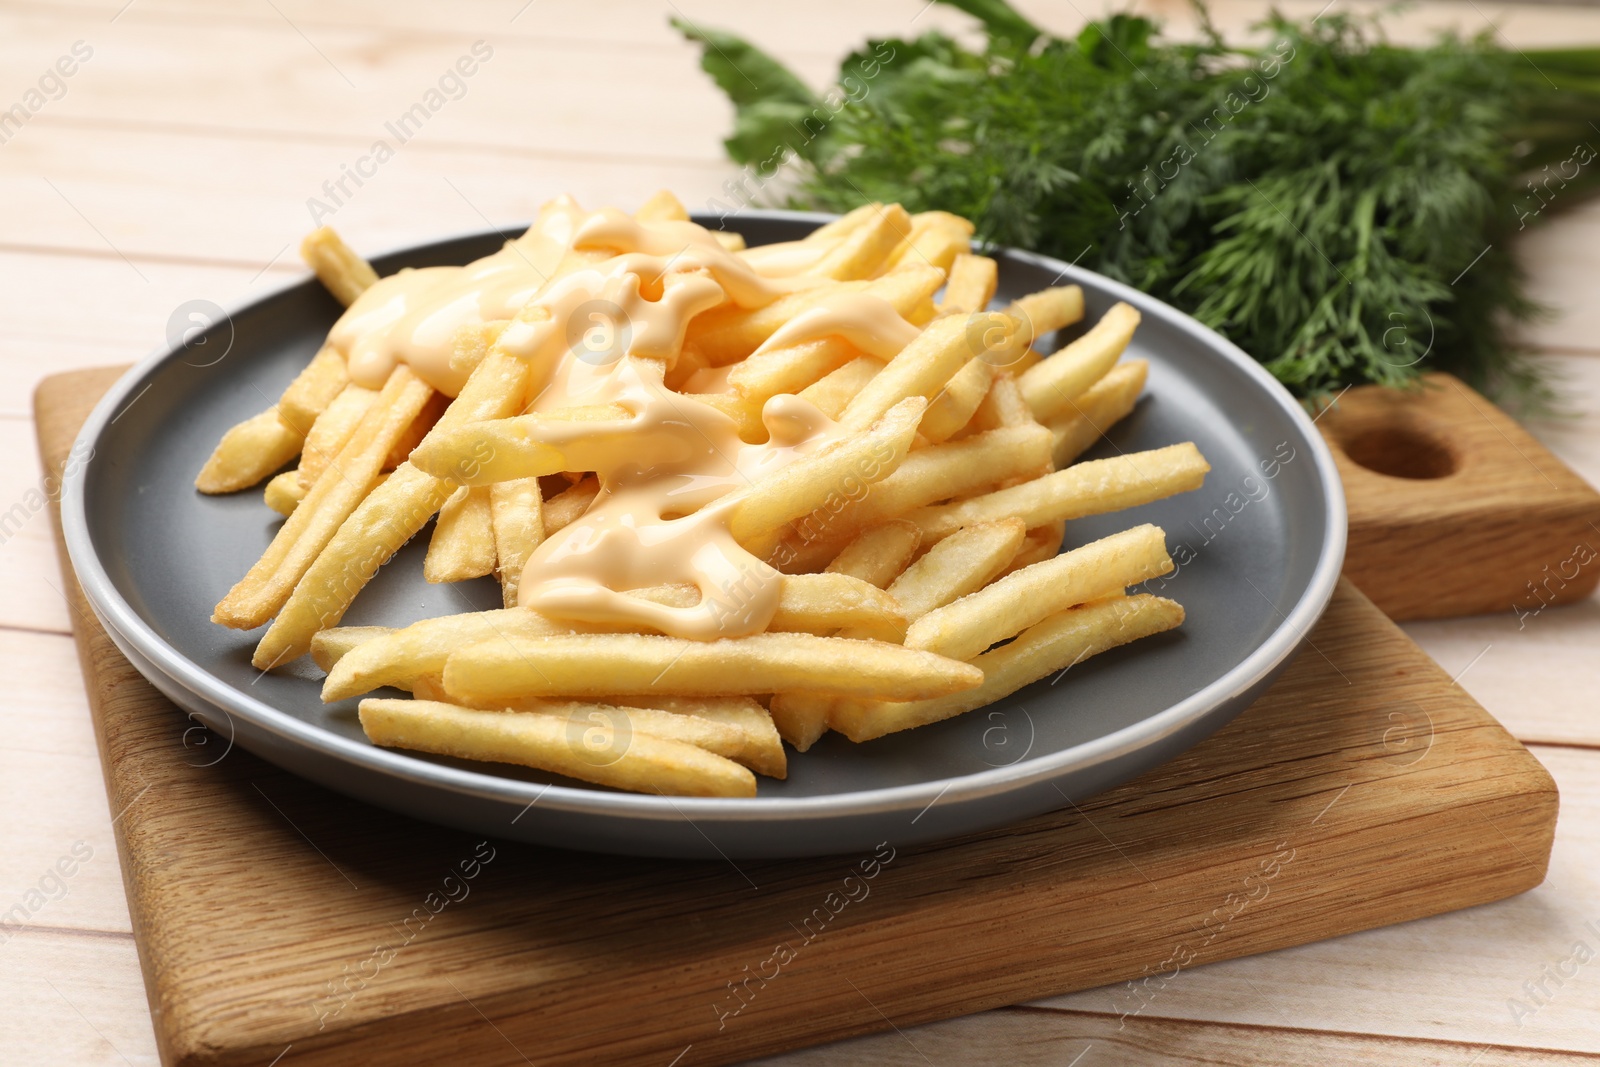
(190, 143)
(1457, 510)
(1353, 795)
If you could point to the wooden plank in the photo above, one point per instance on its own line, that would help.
(1559, 256)
(353, 80)
(60, 860)
(1454, 508)
(824, 31)
(827, 28)
(139, 199)
(1259, 802)
(1570, 433)
(1370, 981)
(1535, 674)
(1022, 1037)
(34, 597)
(1447, 977)
(81, 1004)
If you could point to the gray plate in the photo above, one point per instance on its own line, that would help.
(1260, 546)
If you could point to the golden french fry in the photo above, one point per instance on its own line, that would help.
(952, 568)
(823, 603)
(940, 472)
(958, 401)
(284, 493)
(1058, 643)
(1052, 385)
(1104, 568)
(831, 233)
(598, 752)
(414, 434)
(337, 493)
(1037, 314)
(735, 728)
(953, 469)
(598, 664)
(570, 503)
(923, 367)
(730, 333)
(801, 718)
(1042, 543)
(1091, 488)
(971, 284)
(389, 517)
(937, 238)
(332, 430)
(1032, 316)
(463, 543)
(662, 206)
(1003, 406)
(345, 274)
(762, 750)
(760, 511)
(879, 553)
(399, 657)
(313, 389)
(472, 342)
(733, 242)
(248, 453)
(866, 248)
(330, 646)
(961, 564)
(746, 416)
(522, 446)
(516, 514)
(594, 721)
(1105, 403)
(833, 392)
(789, 369)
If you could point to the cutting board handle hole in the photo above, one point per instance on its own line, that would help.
(1400, 452)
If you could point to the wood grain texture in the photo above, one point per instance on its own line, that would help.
(1036, 1037)
(1352, 796)
(1455, 509)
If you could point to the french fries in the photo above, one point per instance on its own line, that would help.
(1052, 385)
(597, 664)
(1100, 407)
(1091, 488)
(594, 752)
(1056, 644)
(345, 274)
(995, 612)
(248, 453)
(463, 544)
(879, 553)
(733, 498)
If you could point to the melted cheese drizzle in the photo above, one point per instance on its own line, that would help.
(603, 336)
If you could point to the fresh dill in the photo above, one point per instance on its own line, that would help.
(1339, 207)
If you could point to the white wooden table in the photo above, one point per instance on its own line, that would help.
(176, 163)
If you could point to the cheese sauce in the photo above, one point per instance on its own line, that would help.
(600, 338)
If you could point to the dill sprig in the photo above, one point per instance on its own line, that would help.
(1339, 207)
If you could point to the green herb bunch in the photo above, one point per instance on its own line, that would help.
(1339, 207)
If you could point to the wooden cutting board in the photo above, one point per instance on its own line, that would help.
(278, 923)
(1454, 508)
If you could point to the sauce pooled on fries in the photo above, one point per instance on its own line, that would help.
(600, 339)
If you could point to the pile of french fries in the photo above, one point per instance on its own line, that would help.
(916, 549)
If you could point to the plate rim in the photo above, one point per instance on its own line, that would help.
(1284, 641)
